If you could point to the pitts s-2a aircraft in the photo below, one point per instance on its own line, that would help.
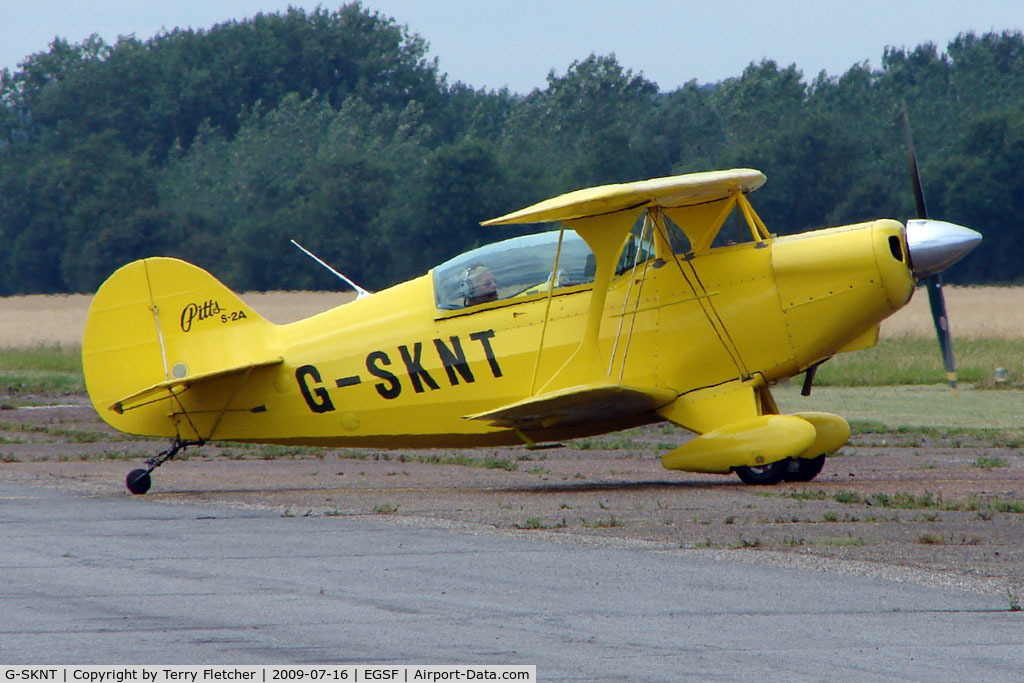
(630, 313)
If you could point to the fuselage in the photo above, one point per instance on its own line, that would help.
(395, 369)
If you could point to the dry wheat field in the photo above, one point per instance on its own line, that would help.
(974, 312)
(34, 320)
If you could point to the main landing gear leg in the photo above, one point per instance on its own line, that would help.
(138, 481)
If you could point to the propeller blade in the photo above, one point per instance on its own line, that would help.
(915, 175)
(938, 245)
(938, 305)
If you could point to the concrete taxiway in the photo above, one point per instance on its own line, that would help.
(123, 580)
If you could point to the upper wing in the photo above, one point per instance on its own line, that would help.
(669, 192)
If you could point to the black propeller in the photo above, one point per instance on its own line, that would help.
(934, 246)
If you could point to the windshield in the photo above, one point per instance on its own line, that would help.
(520, 266)
(513, 267)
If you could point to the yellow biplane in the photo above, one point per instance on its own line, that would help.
(664, 299)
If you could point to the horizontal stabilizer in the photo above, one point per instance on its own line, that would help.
(575, 405)
(172, 387)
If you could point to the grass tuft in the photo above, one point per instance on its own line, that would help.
(538, 523)
(489, 462)
(986, 463)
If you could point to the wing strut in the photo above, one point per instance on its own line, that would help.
(604, 235)
(644, 232)
(703, 298)
(547, 310)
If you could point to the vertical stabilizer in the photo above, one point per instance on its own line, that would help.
(166, 324)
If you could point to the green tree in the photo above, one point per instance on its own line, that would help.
(581, 130)
(760, 104)
(334, 128)
(157, 92)
(462, 185)
(681, 132)
(982, 185)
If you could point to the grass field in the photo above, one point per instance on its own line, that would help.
(912, 407)
(916, 360)
(41, 369)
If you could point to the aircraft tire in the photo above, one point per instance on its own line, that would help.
(766, 475)
(138, 481)
(803, 469)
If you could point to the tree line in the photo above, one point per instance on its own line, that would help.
(335, 129)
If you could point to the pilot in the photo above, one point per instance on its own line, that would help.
(478, 285)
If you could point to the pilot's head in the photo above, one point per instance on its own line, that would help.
(478, 285)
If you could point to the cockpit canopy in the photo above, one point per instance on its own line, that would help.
(520, 266)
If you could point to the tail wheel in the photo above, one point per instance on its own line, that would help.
(138, 481)
(765, 475)
(803, 469)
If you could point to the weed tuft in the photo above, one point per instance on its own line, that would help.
(842, 541)
(609, 523)
(984, 462)
(1013, 600)
(743, 542)
(538, 523)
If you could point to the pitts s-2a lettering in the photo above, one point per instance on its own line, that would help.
(635, 310)
(193, 312)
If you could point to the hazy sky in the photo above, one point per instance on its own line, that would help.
(515, 43)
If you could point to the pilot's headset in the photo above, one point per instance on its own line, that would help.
(468, 288)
